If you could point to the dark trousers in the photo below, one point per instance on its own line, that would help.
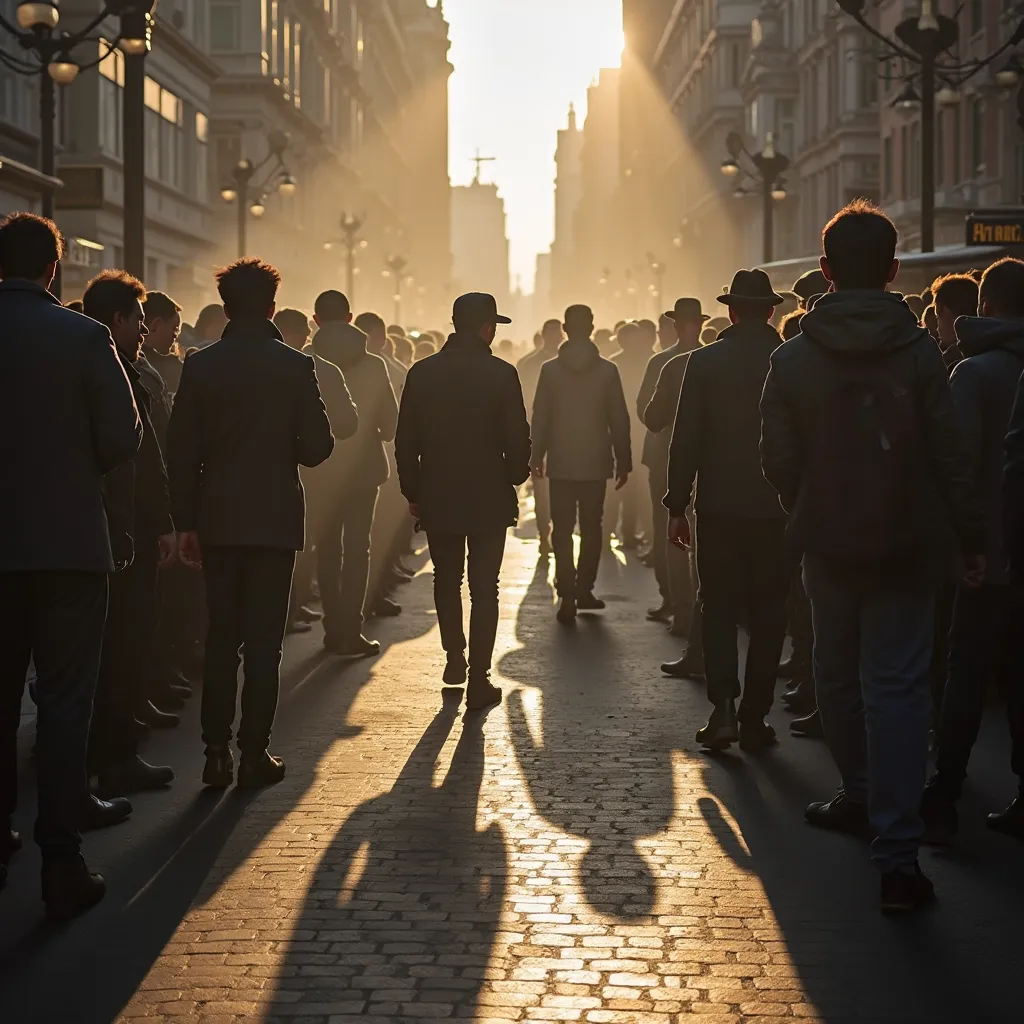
(55, 618)
(801, 631)
(448, 553)
(944, 599)
(572, 499)
(743, 569)
(343, 561)
(658, 485)
(984, 639)
(127, 663)
(247, 596)
(542, 509)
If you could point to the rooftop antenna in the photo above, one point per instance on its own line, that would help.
(478, 160)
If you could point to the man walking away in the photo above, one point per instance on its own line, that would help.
(67, 417)
(741, 556)
(580, 440)
(955, 295)
(247, 414)
(353, 479)
(463, 446)
(983, 639)
(860, 439)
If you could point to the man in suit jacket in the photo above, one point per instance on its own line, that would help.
(67, 417)
(463, 446)
(247, 414)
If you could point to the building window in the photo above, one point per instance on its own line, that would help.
(887, 167)
(977, 137)
(111, 68)
(915, 160)
(225, 26)
(165, 119)
(957, 163)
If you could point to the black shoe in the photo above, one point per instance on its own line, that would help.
(69, 889)
(262, 769)
(166, 698)
(1011, 821)
(840, 815)
(801, 700)
(141, 728)
(399, 568)
(133, 776)
(103, 813)
(687, 667)
(588, 603)
(808, 727)
(663, 613)
(455, 670)
(298, 626)
(152, 716)
(906, 891)
(219, 771)
(939, 814)
(306, 614)
(181, 686)
(357, 647)
(721, 730)
(756, 734)
(566, 611)
(482, 694)
(385, 608)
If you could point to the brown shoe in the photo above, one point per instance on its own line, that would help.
(482, 694)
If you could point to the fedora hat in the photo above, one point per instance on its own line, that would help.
(751, 286)
(687, 311)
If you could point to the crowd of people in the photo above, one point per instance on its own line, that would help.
(840, 464)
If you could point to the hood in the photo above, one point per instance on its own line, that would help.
(862, 322)
(578, 354)
(339, 343)
(977, 334)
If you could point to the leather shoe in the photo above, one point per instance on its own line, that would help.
(586, 602)
(166, 698)
(133, 776)
(219, 771)
(103, 813)
(357, 647)
(663, 613)
(687, 667)
(756, 734)
(808, 727)
(802, 700)
(566, 611)
(69, 888)
(258, 770)
(385, 608)
(306, 614)
(152, 716)
(455, 670)
(1011, 821)
(721, 730)
(840, 814)
(482, 694)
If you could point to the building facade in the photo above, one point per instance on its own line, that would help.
(479, 235)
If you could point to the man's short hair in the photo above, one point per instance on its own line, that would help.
(332, 305)
(291, 321)
(28, 245)
(860, 244)
(647, 327)
(789, 326)
(957, 292)
(367, 322)
(1002, 287)
(556, 324)
(111, 292)
(582, 316)
(159, 306)
(248, 287)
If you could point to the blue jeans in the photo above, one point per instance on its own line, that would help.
(872, 656)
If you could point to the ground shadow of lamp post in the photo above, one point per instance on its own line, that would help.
(252, 197)
(764, 169)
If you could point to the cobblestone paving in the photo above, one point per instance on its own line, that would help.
(568, 857)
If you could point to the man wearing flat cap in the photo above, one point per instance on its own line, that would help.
(741, 555)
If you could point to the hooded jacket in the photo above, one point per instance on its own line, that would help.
(580, 420)
(359, 461)
(844, 329)
(984, 386)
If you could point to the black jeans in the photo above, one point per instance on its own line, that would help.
(55, 619)
(343, 562)
(448, 553)
(743, 568)
(247, 593)
(984, 637)
(570, 498)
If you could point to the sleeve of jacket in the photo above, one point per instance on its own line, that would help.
(647, 386)
(969, 402)
(661, 409)
(314, 441)
(515, 431)
(1013, 488)
(950, 466)
(152, 491)
(114, 418)
(541, 419)
(119, 504)
(781, 450)
(619, 424)
(387, 407)
(684, 451)
(185, 452)
(342, 410)
(408, 440)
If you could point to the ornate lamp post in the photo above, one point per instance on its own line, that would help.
(251, 198)
(396, 266)
(768, 166)
(350, 228)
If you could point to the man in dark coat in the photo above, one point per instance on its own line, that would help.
(463, 446)
(67, 417)
(741, 556)
(247, 414)
(983, 637)
(860, 439)
(129, 641)
(353, 478)
(580, 440)
(163, 328)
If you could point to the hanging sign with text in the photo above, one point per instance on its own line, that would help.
(995, 227)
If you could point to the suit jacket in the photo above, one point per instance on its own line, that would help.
(341, 411)
(655, 449)
(463, 442)
(247, 414)
(67, 417)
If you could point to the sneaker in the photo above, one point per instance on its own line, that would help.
(455, 670)
(482, 694)
(257, 770)
(906, 891)
(69, 888)
(808, 727)
(722, 730)
(756, 734)
(566, 611)
(133, 776)
(939, 814)
(357, 647)
(840, 814)
(586, 602)
(219, 771)
(1011, 821)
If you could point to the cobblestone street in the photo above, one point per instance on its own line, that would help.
(569, 857)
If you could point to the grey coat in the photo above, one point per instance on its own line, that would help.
(655, 450)
(580, 421)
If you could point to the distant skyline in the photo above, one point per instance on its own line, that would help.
(518, 66)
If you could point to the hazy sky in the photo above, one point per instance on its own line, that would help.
(518, 65)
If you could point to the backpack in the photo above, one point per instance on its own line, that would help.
(865, 485)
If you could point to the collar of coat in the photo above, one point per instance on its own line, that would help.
(251, 327)
(469, 342)
(21, 284)
(752, 329)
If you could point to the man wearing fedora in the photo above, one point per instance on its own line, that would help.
(740, 525)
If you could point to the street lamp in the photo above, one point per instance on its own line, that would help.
(351, 225)
(251, 198)
(396, 266)
(657, 289)
(922, 40)
(768, 166)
